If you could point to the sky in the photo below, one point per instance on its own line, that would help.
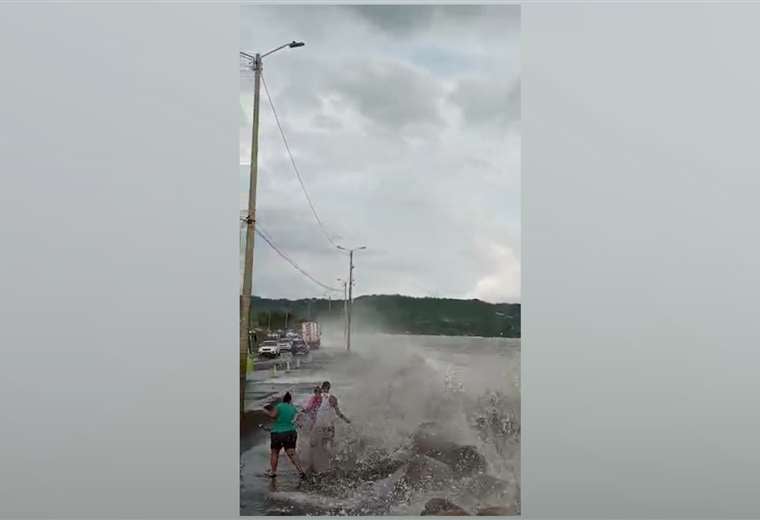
(404, 122)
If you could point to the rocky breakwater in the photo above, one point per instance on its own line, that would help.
(458, 473)
(430, 475)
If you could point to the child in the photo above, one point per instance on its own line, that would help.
(312, 406)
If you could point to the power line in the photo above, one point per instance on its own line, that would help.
(269, 241)
(265, 236)
(295, 167)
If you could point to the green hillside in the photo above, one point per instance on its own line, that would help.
(398, 315)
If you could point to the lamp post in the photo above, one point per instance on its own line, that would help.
(350, 290)
(250, 218)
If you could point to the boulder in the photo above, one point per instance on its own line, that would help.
(431, 441)
(377, 467)
(487, 486)
(442, 507)
(430, 438)
(464, 460)
(426, 472)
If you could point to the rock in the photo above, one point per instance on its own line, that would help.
(497, 511)
(430, 441)
(442, 507)
(377, 468)
(429, 438)
(487, 486)
(426, 472)
(464, 460)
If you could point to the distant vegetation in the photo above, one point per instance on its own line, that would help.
(398, 315)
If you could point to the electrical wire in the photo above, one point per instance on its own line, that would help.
(268, 239)
(295, 167)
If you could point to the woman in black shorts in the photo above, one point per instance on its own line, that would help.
(284, 435)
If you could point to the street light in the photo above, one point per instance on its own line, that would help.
(252, 57)
(250, 218)
(350, 289)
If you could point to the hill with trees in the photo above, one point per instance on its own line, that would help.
(397, 314)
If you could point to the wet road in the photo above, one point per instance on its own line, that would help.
(258, 493)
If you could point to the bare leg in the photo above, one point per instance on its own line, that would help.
(294, 460)
(274, 459)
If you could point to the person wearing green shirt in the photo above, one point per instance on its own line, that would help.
(284, 435)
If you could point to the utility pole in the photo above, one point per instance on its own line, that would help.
(247, 293)
(345, 311)
(345, 308)
(350, 291)
(350, 297)
(250, 221)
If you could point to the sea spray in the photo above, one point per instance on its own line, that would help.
(391, 385)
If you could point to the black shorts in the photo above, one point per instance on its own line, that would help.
(286, 440)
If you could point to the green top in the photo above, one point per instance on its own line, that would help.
(286, 412)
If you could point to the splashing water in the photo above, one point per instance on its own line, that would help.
(397, 388)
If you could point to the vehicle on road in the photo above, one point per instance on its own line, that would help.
(269, 348)
(311, 334)
(285, 345)
(300, 347)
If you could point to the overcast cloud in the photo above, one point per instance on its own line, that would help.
(404, 122)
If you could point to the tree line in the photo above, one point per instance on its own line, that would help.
(397, 314)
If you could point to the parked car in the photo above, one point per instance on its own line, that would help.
(300, 347)
(285, 345)
(269, 348)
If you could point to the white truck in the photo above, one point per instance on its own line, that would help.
(269, 348)
(310, 333)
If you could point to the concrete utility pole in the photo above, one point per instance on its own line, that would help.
(345, 308)
(246, 293)
(250, 221)
(345, 311)
(350, 291)
(350, 297)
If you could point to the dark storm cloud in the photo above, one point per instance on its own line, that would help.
(402, 122)
(408, 20)
(395, 19)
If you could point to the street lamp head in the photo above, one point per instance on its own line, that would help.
(291, 45)
(360, 248)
